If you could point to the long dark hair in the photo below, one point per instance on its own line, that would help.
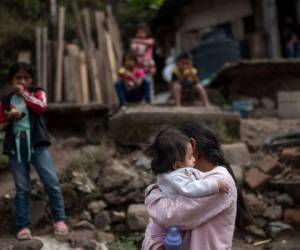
(169, 146)
(15, 68)
(207, 145)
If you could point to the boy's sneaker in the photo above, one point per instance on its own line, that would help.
(60, 228)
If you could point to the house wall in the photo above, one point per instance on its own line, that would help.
(197, 17)
(202, 14)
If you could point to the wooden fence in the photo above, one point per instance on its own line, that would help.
(80, 73)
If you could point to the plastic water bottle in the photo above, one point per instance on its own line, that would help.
(173, 239)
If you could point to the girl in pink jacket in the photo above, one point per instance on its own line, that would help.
(207, 223)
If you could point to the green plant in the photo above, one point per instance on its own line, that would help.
(127, 242)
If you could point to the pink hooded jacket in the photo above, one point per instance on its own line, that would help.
(208, 222)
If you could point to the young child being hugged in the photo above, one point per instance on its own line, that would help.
(26, 142)
(132, 86)
(173, 163)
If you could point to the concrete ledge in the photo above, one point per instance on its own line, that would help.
(136, 125)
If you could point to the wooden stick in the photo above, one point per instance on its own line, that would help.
(73, 53)
(95, 83)
(114, 30)
(83, 62)
(101, 55)
(113, 65)
(44, 79)
(60, 51)
(38, 33)
(69, 87)
(83, 78)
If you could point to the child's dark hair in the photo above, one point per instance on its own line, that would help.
(144, 27)
(15, 68)
(168, 147)
(207, 145)
(129, 56)
(184, 56)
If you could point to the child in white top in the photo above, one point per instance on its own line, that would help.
(173, 162)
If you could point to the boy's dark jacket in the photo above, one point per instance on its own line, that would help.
(38, 129)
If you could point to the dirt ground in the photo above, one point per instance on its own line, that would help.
(291, 242)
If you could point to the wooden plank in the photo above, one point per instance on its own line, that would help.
(69, 87)
(101, 55)
(44, 83)
(50, 71)
(83, 62)
(73, 53)
(114, 30)
(60, 51)
(38, 33)
(113, 66)
(24, 56)
(95, 83)
(83, 78)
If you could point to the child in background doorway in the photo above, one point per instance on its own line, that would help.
(132, 86)
(173, 162)
(185, 79)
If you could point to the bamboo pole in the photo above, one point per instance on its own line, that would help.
(74, 74)
(38, 33)
(60, 51)
(102, 57)
(114, 30)
(83, 78)
(44, 79)
(112, 64)
(95, 83)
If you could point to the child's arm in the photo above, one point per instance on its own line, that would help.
(7, 117)
(192, 74)
(189, 187)
(148, 41)
(36, 102)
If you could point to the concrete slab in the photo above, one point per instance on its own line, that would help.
(136, 125)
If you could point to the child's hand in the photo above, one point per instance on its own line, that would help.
(223, 186)
(13, 115)
(18, 89)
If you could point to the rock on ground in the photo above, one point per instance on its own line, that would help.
(256, 179)
(255, 131)
(137, 218)
(273, 212)
(34, 244)
(237, 154)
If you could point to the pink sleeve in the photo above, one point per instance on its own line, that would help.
(187, 213)
(139, 73)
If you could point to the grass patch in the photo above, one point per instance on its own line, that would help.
(127, 242)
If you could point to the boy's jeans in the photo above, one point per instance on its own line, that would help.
(44, 166)
(133, 95)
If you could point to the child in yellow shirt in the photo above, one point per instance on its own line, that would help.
(184, 78)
